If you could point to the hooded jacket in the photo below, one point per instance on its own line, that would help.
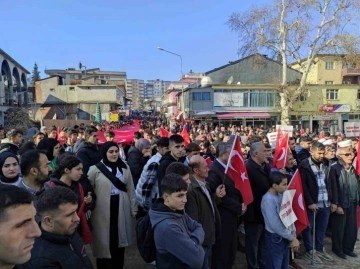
(136, 162)
(178, 238)
(58, 251)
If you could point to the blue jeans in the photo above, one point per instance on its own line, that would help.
(277, 251)
(321, 221)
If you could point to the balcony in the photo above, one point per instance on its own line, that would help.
(349, 72)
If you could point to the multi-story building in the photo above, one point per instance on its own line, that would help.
(160, 86)
(75, 102)
(72, 74)
(135, 89)
(13, 84)
(243, 91)
(334, 93)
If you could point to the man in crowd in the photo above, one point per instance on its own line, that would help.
(229, 206)
(201, 206)
(60, 245)
(317, 197)
(176, 154)
(35, 169)
(345, 198)
(302, 150)
(88, 153)
(18, 228)
(147, 189)
(258, 171)
(15, 139)
(179, 169)
(71, 140)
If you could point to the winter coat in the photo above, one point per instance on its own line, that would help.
(58, 251)
(100, 217)
(136, 162)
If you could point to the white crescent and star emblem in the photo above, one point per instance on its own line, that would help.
(300, 201)
(283, 154)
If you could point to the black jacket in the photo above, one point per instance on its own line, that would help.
(89, 155)
(136, 162)
(309, 183)
(259, 181)
(340, 192)
(9, 147)
(165, 161)
(58, 251)
(199, 208)
(231, 202)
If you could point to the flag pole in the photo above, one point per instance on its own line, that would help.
(313, 244)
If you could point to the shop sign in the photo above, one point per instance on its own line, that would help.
(332, 108)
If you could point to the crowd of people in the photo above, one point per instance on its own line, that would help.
(61, 190)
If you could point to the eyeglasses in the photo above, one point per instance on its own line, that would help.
(348, 154)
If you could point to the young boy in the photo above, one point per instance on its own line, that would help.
(278, 239)
(178, 238)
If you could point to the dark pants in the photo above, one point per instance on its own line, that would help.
(254, 245)
(117, 254)
(277, 251)
(321, 222)
(207, 251)
(344, 229)
(224, 250)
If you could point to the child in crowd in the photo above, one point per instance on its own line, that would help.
(278, 238)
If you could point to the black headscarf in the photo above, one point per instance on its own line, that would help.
(113, 165)
(48, 145)
(3, 156)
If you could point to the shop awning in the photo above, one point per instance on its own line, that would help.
(240, 115)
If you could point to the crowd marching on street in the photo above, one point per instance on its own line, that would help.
(187, 190)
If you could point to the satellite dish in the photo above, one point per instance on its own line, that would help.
(230, 80)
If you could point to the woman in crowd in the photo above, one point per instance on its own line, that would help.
(67, 174)
(9, 164)
(52, 149)
(112, 217)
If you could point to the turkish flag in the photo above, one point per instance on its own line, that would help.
(184, 133)
(163, 132)
(357, 169)
(236, 170)
(298, 203)
(281, 150)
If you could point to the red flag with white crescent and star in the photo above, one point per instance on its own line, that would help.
(298, 204)
(236, 170)
(281, 150)
(163, 132)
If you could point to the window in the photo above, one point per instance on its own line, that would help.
(262, 98)
(201, 96)
(358, 94)
(329, 82)
(72, 76)
(332, 94)
(329, 65)
(72, 88)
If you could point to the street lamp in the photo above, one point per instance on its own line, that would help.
(182, 74)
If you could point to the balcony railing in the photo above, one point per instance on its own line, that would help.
(350, 71)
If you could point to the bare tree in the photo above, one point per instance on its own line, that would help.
(295, 31)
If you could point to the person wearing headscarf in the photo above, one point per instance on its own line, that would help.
(9, 173)
(113, 215)
(138, 155)
(52, 150)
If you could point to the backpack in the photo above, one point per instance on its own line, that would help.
(145, 239)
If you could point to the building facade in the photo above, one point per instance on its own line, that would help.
(13, 84)
(75, 102)
(135, 90)
(72, 74)
(333, 96)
